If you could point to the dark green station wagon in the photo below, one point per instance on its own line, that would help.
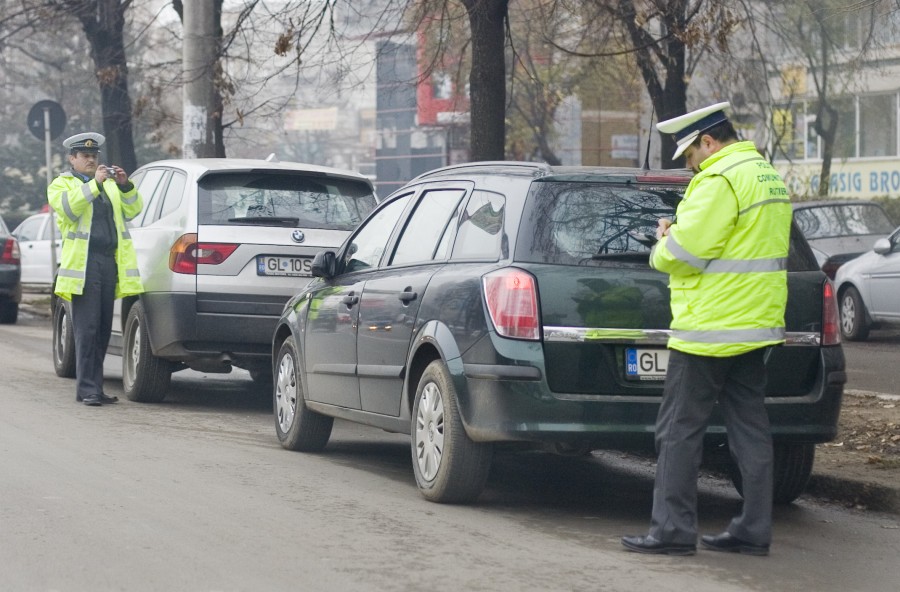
(506, 302)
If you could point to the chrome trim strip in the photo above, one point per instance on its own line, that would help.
(556, 334)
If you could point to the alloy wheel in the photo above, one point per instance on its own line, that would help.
(132, 352)
(430, 431)
(286, 393)
(62, 331)
(848, 314)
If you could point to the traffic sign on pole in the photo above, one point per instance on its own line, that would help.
(46, 121)
(36, 120)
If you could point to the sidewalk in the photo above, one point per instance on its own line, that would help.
(841, 474)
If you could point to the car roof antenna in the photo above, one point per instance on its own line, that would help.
(649, 136)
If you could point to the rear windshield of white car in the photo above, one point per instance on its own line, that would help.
(283, 199)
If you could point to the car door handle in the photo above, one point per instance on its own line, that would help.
(407, 296)
(350, 300)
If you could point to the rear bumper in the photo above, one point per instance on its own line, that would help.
(517, 408)
(179, 333)
(10, 287)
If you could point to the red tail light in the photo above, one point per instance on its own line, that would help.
(831, 322)
(187, 253)
(511, 296)
(10, 252)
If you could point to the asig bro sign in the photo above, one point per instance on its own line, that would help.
(868, 179)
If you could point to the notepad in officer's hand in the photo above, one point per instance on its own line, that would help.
(645, 238)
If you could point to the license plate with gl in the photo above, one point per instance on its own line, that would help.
(646, 363)
(284, 266)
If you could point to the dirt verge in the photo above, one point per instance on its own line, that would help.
(861, 467)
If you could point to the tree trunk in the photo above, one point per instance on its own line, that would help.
(487, 80)
(670, 98)
(826, 125)
(103, 23)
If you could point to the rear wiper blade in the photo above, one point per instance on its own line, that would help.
(629, 256)
(268, 220)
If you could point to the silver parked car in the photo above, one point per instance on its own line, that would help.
(868, 289)
(221, 245)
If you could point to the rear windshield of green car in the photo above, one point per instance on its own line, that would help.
(583, 223)
(570, 222)
(314, 201)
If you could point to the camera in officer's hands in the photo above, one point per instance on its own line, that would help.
(110, 171)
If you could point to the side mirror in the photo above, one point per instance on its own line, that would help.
(323, 264)
(882, 246)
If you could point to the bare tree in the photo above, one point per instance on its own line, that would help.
(822, 41)
(668, 39)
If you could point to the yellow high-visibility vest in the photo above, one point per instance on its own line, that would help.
(71, 199)
(726, 256)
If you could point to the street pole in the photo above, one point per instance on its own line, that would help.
(50, 180)
(198, 65)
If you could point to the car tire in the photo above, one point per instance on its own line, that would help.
(792, 468)
(145, 377)
(853, 316)
(449, 466)
(63, 340)
(9, 313)
(297, 426)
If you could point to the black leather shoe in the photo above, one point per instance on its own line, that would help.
(648, 544)
(107, 400)
(730, 544)
(92, 400)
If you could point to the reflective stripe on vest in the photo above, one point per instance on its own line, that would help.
(725, 265)
(67, 208)
(71, 273)
(762, 203)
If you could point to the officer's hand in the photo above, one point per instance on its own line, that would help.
(662, 227)
(102, 174)
(120, 177)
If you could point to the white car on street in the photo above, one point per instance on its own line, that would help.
(34, 235)
(222, 244)
(868, 289)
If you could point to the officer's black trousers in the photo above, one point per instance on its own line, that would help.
(92, 313)
(693, 386)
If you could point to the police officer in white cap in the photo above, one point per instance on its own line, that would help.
(726, 257)
(98, 263)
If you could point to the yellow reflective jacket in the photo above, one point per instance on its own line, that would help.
(71, 199)
(726, 256)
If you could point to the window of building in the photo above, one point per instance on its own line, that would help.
(867, 127)
(789, 129)
(878, 125)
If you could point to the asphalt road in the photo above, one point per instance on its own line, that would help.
(872, 365)
(196, 494)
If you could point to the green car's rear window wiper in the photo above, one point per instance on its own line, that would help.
(267, 220)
